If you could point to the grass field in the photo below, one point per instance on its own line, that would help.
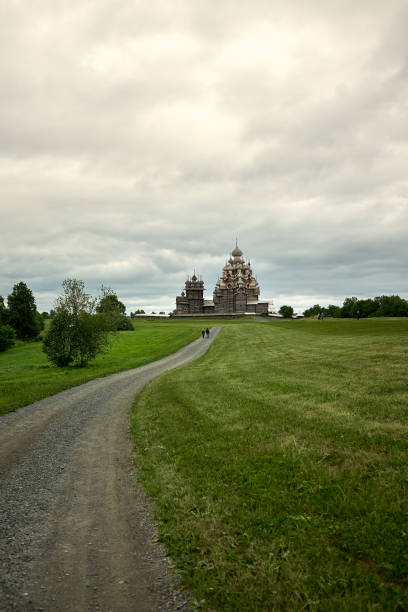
(278, 462)
(27, 376)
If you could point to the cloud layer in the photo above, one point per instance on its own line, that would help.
(138, 139)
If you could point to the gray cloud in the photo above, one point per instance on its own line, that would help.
(136, 142)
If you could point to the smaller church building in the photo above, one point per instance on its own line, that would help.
(236, 292)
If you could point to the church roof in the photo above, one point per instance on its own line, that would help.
(237, 251)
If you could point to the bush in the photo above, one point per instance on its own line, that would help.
(7, 337)
(124, 324)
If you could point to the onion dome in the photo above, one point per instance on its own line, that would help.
(237, 252)
(194, 278)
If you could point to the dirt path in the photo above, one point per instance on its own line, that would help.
(76, 531)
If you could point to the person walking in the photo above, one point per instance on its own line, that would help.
(207, 331)
(203, 333)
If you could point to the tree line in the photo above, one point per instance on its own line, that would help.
(79, 324)
(381, 306)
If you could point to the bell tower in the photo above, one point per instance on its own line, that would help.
(195, 294)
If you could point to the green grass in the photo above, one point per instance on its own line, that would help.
(278, 462)
(27, 376)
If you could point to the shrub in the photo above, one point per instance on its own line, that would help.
(7, 337)
(124, 324)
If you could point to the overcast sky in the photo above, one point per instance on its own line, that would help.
(139, 138)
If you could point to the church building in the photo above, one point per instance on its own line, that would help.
(236, 292)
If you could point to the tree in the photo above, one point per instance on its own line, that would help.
(7, 336)
(76, 334)
(113, 310)
(313, 311)
(286, 311)
(332, 311)
(22, 312)
(349, 308)
(391, 306)
(109, 302)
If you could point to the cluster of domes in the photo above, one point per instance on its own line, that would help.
(237, 273)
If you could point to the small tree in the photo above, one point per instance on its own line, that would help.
(286, 311)
(109, 302)
(113, 311)
(22, 312)
(76, 333)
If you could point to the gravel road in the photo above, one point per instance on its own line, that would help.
(76, 530)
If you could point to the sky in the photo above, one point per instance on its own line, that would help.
(139, 139)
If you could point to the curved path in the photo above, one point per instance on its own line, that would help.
(76, 531)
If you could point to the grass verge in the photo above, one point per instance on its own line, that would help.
(278, 465)
(26, 376)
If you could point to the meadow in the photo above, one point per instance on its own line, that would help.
(26, 376)
(278, 464)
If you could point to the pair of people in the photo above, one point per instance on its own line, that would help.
(205, 332)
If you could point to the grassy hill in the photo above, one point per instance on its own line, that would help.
(278, 462)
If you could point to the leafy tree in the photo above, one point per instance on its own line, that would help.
(59, 342)
(364, 308)
(76, 334)
(286, 311)
(7, 336)
(349, 308)
(313, 311)
(332, 311)
(109, 302)
(22, 312)
(113, 310)
(391, 306)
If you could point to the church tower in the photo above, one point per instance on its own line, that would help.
(191, 301)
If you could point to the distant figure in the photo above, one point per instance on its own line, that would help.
(203, 333)
(320, 316)
(207, 331)
(358, 314)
